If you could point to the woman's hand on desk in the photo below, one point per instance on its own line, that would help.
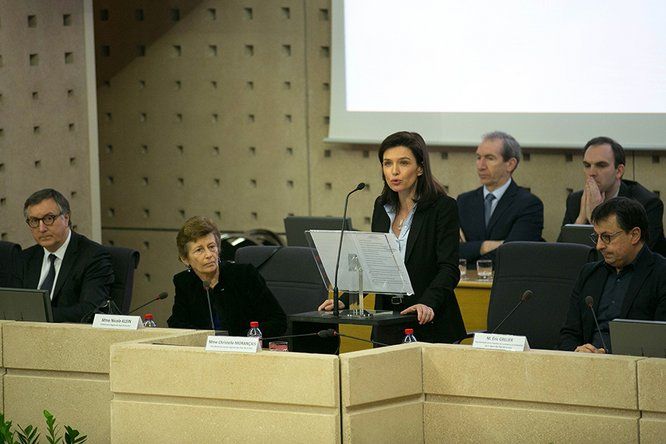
(327, 305)
(589, 348)
(424, 314)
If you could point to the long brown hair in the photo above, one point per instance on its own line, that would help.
(427, 187)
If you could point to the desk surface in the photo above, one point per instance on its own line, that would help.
(473, 295)
(471, 280)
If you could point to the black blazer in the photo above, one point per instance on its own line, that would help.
(241, 296)
(653, 205)
(645, 298)
(518, 216)
(431, 260)
(84, 280)
(10, 265)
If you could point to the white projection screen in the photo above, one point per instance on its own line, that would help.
(552, 73)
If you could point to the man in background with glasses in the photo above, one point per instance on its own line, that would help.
(629, 283)
(76, 271)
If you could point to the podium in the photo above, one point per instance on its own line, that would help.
(313, 321)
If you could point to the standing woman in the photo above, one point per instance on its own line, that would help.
(238, 293)
(423, 223)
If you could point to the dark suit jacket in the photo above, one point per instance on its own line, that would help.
(633, 190)
(240, 297)
(431, 260)
(10, 265)
(518, 216)
(84, 280)
(645, 298)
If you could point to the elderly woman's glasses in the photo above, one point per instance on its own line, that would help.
(606, 238)
(49, 219)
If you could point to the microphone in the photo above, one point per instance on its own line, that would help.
(336, 294)
(107, 303)
(589, 301)
(160, 296)
(206, 286)
(330, 333)
(526, 295)
(320, 333)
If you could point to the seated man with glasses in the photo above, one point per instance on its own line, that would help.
(629, 283)
(76, 271)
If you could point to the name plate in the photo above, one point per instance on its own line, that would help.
(117, 322)
(237, 344)
(488, 341)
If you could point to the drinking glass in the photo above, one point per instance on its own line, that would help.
(281, 346)
(462, 265)
(484, 268)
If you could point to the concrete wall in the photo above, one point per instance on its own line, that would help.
(48, 117)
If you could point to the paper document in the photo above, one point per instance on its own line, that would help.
(383, 268)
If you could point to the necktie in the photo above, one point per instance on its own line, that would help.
(50, 276)
(488, 207)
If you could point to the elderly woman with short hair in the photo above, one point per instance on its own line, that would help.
(238, 293)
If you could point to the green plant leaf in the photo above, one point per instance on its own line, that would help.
(6, 434)
(28, 435)
(53, 434)
(72, 436)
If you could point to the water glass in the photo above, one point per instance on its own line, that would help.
(462, 266)
(484, 268)
(282, 346)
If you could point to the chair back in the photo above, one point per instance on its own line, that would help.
(550, 270)
(10, 265)
(124, 261)
(290, 273)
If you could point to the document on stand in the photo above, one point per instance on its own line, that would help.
(383, 268)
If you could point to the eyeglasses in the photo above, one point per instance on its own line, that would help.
(606, 238)
(33, 222)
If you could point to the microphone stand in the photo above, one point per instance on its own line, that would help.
(373, 342)
(206, 286)
(336, 293)
(106, 303)
(160, 296)
(526, 295)
(589, 301)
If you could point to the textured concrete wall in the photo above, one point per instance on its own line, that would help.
(45, 113)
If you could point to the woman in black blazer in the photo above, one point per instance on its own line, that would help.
(423, 221)
(238, 293)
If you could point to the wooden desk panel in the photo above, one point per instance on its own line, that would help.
(473, 297)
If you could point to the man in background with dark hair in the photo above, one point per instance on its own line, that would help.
(629, 283)
(604, 163)
(76, 271)
(499, 211)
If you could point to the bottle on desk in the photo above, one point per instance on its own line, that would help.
(409, 336)
(254, 331)
(148, 321)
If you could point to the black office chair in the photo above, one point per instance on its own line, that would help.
(550, 270)
(10, 265)
(290, 273)
(124, 262)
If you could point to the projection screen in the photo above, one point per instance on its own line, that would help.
(551, 73)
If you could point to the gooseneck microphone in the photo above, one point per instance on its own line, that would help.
(589, 301)
(206, 286)
(526, 295)
(320, 333)
(111, 308)
(336, 294)
(159, 297)
(330, 333)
